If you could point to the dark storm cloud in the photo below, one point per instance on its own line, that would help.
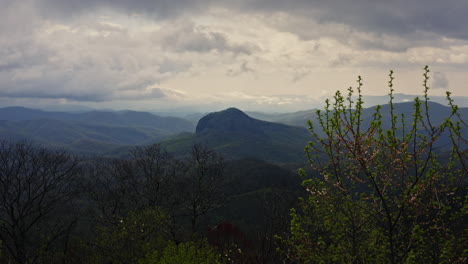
(446, 18)
(155, 8)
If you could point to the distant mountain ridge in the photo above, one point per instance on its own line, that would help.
(126, 117)
(279, 138)
(89, 132)
(372, 100)
(437, 112)
(236, 135)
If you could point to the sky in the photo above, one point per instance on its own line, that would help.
(267, 55)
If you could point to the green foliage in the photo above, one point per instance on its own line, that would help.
(387, 192)
(131, 238)
(193, 252)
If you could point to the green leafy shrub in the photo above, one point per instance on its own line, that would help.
(193, 252)
(132, 238)
(390, 191)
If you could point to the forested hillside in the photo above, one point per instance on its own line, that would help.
(385, 184)
(234, 134)
(88, 133)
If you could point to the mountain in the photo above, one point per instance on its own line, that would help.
(372, 100)
(16, 113)
(404, 112)
(237, 135)
(298, 118)
(438, 112)
(279, 138)
(91, 132)
(121, 118)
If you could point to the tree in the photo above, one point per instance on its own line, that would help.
(389, 191)
(34, 184)
(185, 189)
(111, 188)
(201, 185)
(153, 164)
(131, 238)
(121, 186)
(162, 192)
(192, 252)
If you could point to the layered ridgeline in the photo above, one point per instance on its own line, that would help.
(235, 134)
(93, 132)
(278, 138)
(283, 137)
(438, 113)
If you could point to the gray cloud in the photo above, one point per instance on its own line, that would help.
(159, 9)
(244, 67)
(59, 88)
(445, 18)
(440, 81)
(30, 70)
(394, 25)
(341, 60)
(82, 61)
(188, 37)
(65, 49)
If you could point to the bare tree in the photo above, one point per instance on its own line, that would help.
(120, 186)
(34, 183)
(111, 187)
(153, 165)
(183, 188)
(201, 185)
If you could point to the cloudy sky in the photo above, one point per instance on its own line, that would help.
(206, 54)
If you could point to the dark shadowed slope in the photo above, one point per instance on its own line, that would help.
(236, 135)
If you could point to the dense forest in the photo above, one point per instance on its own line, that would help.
(375, 185)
